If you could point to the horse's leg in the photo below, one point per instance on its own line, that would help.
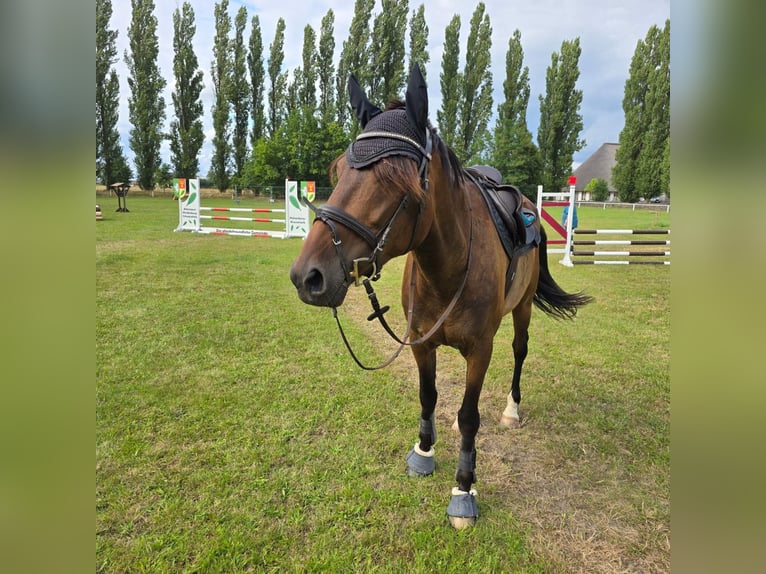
(420, 460)
(521, 317)
(462, 509)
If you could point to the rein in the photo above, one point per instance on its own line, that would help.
(379, 311)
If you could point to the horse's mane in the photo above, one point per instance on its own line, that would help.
(399, 174)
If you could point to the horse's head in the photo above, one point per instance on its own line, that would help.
(376, 211)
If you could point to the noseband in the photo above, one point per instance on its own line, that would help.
(330, 215)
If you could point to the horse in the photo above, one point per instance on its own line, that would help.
(400, 190)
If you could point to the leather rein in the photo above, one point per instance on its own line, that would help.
(330, 215)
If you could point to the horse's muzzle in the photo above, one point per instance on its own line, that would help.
(318, 286)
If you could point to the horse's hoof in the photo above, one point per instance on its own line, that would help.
(462, 509)
(460, 522)
(420, 463)
(510, 422)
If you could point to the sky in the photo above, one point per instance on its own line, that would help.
(608, 30)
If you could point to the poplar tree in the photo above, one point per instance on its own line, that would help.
(419, 40)
(110, 161)
(277, 79)
(354, 59)
(333, 140)
(186, 135)
(291, 101)
(326, 68)
(307, 96)
(239, 95)
(387, 51)
(475, 106)
(643, 158)
(514, 152)
(665, 169)
(257, 77)
(221, 74)
(146, 105)
(558, 135)
(450, 83)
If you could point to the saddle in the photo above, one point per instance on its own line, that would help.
(512, 220)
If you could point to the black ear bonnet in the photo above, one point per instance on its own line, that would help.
(367, 150)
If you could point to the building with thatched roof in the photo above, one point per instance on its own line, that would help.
(597, 166)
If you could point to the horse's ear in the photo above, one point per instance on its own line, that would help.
(363, 108)
(417, 99)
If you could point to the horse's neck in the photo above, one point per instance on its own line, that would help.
(442, 254)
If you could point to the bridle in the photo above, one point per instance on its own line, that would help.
(330, 215)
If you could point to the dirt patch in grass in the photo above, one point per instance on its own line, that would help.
(582, 514)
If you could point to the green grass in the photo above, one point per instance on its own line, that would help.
(234, 434)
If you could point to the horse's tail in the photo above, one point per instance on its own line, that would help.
(549, 297)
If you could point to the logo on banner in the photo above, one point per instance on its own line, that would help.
(308, 190)
(179, 187)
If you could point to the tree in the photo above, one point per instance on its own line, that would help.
(326, 68)
(450, 82)
(307, 95)
(598, 188)
(387, 51)
(261, 169)
(475, 106)
(121, 170)
(665, 170)
(221, 73)
(257, 76)
(558, 134)
(186, 135)
(164, 176)
(278, 79)
(514, 152)
(354, 59)
(109, 157)
(419, 40)
(146, 105)
(334, 141)
(239, 94)
(291, 100)
(644, 139)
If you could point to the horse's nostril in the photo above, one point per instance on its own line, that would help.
(314, 281)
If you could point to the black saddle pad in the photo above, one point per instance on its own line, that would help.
(512, 220)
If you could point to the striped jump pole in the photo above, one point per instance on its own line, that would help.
(645, 256)
(243, 210)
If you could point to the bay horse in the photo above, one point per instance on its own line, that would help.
(399, 189)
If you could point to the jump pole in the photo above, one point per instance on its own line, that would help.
(295, 214)
(655, 257)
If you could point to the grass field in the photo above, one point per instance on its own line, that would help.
(234, 434)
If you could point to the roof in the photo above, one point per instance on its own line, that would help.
(598, 165)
